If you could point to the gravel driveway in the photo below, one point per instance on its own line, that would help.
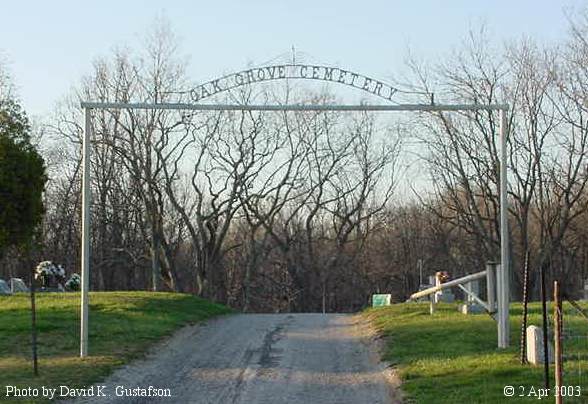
(258, 358)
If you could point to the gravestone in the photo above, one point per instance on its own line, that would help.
(471, 306)
(467, 308)
(473, 287)
(4, 288)
(445, 296)
(17, 285)
(535, 346)
(381, 300)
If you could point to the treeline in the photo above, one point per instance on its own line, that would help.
(301, 211)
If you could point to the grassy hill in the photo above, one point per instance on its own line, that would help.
(452, 358)
(122, 326)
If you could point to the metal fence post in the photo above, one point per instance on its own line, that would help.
(557, 342)
(544, 324)
(523, 344)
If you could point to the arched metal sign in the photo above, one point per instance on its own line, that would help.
(293, 71)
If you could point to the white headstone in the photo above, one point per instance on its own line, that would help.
(535, 346)
(17, 285)
(471, 308)
(4, 288)
(473, 287)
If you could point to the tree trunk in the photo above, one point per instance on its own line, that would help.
(155, 264)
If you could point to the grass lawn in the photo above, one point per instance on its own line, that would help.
(122, 326)
(452, 358)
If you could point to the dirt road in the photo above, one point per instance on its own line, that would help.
(258, 358)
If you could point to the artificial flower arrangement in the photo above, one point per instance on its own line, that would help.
(50, 274)
(73, 283)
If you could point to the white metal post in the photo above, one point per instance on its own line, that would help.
(85, 234)
(504, 270)
(499, 306)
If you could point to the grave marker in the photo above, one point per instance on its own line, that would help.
(18, 285)
(535, 346)
(4, 288)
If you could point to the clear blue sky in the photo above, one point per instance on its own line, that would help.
(50, 45)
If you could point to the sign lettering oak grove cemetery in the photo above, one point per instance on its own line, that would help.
(292, 71)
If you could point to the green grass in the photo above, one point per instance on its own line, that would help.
(122, 326)
(452, 358)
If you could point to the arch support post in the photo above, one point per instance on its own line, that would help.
(503, 275)
(85, 259)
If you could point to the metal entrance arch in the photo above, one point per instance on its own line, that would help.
(503, 274)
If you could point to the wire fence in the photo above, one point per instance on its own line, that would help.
(574, 350)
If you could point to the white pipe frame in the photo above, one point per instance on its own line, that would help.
(475, 297)
(450, 284)
(503, 274)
